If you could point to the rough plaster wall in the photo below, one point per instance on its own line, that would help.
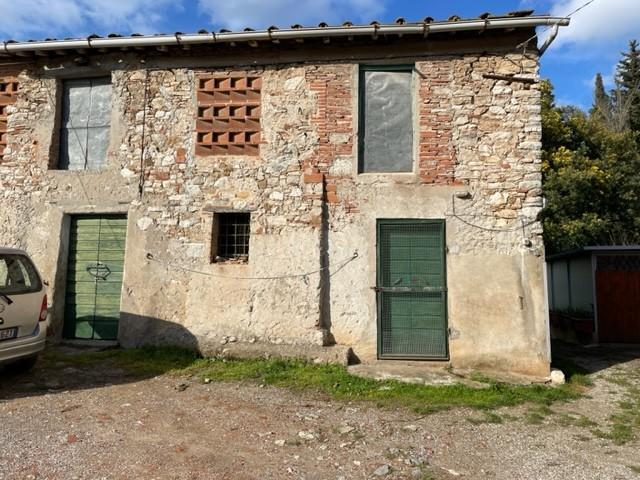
(491, 149)
(482, 135)
(182, 192)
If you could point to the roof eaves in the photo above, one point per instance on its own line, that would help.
(295, 32)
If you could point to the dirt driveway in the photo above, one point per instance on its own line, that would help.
(73, 421)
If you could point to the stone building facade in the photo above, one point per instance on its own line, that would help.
(274, 132)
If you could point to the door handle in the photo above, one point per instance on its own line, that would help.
(98, 270)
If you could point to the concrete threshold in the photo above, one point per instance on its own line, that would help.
(430, 373)
(410, 372)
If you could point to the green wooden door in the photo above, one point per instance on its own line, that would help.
(94, 276)
(411, 289)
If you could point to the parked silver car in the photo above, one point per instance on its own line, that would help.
(23, 310)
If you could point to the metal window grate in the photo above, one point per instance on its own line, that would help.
(233, 235)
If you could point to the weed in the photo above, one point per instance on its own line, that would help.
(489, 417)
(534, 418)
(538, 414)
(625, 422)
(634, 469)
(619, 433)
(575, 420)
(573, 372)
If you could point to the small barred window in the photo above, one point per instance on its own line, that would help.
(231, 231)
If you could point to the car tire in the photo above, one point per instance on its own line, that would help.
(25, 364)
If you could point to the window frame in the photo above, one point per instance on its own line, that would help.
(60, 100)
(31, 270)
(362, 69)
(217, 243)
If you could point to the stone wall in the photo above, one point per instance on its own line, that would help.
(309, 207)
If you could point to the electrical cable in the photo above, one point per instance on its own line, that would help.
(340, 265)
(481, 227)
(526, 42)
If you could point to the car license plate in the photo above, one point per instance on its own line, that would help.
(8, 333)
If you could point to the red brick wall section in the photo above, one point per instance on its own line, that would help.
(228, 120)
(333, 88)
(8, 96)
(333, 120)
(436, 157)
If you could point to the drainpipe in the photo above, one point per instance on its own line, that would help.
(550, 39)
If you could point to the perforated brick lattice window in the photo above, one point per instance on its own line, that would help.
(8, 95)
(233, 230)
(228, 114)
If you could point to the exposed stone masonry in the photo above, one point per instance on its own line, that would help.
(309, 206)
(466, 126)
(8, 94)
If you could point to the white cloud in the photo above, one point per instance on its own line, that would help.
(23, 18)
(599, 26)
(237, 14)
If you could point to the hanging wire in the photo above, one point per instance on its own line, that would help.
(526, 42)
(339, 266)
(453, 214)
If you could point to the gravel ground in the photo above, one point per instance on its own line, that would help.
(90, 423)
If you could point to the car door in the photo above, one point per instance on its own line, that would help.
(20, 296)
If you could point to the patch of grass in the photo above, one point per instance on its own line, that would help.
(625, 423)
(333, 381)
(537, 415)
(575, 420)
(534, 418)
(619, 434)
(489, 417)
(573, 372)
(634, 469)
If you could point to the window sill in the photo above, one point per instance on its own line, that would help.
(230, 261)
(391, 177)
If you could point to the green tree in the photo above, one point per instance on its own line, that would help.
(590, 179)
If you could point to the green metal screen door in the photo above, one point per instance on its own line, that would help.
(411, 289)
(94, 277)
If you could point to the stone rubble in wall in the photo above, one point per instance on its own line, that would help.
(271, 187)
(498, 149)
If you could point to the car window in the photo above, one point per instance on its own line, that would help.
(18, 275)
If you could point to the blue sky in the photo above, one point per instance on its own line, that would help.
(591, 44)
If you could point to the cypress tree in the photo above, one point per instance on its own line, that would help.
(601, 101)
